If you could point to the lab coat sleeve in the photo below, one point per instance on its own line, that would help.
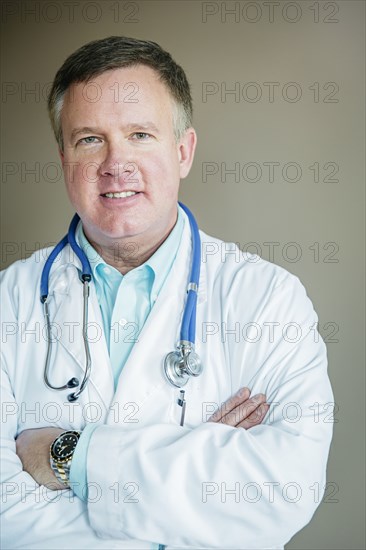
(24, 503)
(77, 476)
(32, 516)
(216, 486)
(27, 508)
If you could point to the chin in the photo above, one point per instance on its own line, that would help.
(123, 231)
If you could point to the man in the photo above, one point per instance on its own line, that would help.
(139, 472)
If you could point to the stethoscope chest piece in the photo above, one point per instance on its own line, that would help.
(180, 365)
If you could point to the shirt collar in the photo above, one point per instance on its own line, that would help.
(94, 258)
(160, 262)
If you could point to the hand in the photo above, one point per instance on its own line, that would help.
(33, 449)
(241, 410)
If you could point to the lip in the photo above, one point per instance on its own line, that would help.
(126, 190)
(110, 202)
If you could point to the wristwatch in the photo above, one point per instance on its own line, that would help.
(61, 453)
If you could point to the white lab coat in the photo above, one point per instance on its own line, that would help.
(204, 485)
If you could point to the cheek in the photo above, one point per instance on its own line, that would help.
(79, 176)
(160, 171)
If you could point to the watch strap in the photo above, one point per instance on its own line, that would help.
(61, 471)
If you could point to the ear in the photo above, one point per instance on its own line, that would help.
(186, 148)
(62, 156)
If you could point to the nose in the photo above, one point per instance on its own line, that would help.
(118, 163)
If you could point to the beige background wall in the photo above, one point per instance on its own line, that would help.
(309, 121)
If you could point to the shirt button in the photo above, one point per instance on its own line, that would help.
(107, 270)
(123, 322)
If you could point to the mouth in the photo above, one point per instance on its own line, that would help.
(119, 195)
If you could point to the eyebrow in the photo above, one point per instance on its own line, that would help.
(142, 126)
(83, 130)
(129, 127)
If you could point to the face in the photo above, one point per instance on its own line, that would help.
(121, 161)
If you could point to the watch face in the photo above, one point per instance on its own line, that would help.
(64, 446)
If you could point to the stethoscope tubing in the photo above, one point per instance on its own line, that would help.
(188, 327)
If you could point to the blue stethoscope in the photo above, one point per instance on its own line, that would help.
(179, 365)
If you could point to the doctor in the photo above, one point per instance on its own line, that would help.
(238, 470)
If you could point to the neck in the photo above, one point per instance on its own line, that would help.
(128, 255)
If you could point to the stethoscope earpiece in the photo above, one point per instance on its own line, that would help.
(72, 397)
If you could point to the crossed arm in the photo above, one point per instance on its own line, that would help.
(278, 453)
(33, 446)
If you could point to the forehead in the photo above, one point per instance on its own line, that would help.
(130, 91)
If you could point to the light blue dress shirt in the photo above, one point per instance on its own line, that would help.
(125, 303)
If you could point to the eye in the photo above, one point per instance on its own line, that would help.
(87, 140)
(141, 136)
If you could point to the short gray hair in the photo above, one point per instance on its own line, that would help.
(115, 52)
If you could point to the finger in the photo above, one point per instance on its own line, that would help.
(235, 400)
(243, 411)
(255, 418)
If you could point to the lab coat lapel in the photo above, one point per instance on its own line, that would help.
(143, 374)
